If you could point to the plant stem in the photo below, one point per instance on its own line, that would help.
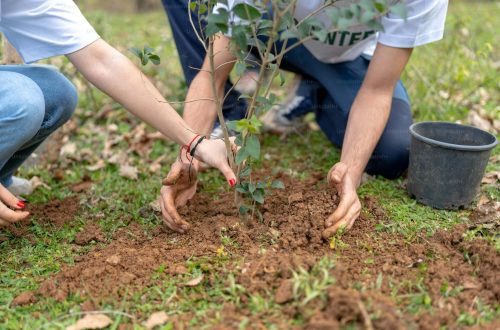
(218, 102)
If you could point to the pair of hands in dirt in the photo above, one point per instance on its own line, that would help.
(181, 183)
(10, 208)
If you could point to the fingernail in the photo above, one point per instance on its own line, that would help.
(21, 204)
(232, 182)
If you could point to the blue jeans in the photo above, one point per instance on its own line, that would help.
(34, 102)
(331, 88)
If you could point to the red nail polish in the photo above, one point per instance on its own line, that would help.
(232, 182)
(21, 204)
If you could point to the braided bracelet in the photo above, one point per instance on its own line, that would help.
(191, 152)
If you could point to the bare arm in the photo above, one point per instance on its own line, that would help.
(114, 74)
(370, 111)
(367, 120)
(201, 114)
(117, 76)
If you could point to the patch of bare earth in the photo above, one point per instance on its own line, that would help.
(266, 253)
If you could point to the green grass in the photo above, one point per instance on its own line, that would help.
(442, 80)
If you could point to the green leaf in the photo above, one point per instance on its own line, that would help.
(355, 10)
(246, 171)
(240, 68)
(155, 59)
(241, 156)
(367, 17)
(344, 23)
(258, 196)
(202, 9)
(251, 188)
(380, 7)
(246, 12)
(241, 189)
(255, 124)
(277, 184)
(239, 37)
(136, 51)
(144, 59)
(253, 147)
(244, 209)
(366, 4)
(192, 5)
(321, 34)
(231, 124)
(400, 10)
(334, 15)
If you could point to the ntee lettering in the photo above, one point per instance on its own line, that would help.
(345, 38)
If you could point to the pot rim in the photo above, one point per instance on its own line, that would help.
(453, 146)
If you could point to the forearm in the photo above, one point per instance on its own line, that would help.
(200, 110)
(118, 77)
(371, 109)
(367, 120)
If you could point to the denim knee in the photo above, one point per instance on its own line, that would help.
(60, 100)
(389, 160)
(25, 107)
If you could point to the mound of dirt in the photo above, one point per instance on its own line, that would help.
(24, 298)
(265, 254)
(56, 212)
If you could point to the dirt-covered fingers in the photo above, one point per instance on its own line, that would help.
(347, 222)
(9, 199)
(11, 216)
(169, 211)
(344, 216)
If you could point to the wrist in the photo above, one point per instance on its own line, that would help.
(354, 172)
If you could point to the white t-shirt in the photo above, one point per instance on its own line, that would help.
(424, 24)
(40, 29)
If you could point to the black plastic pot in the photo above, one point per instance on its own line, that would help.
(447, 163)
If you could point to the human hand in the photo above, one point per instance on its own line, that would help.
(349, 207)
(213, 153)
(180, 185)
(10, 208)
(178, 188)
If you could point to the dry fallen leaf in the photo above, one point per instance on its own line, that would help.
(156, 319)
(128, 171)
(477, 121)
(37, 182)
(155, 205)
(491, 177)
(483, 200)
(91, 321)
(97, 166)
(195, 281)
(118, 158)
(68, 149)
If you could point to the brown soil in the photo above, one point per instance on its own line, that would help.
(56, 213)
(287, 239)
(24, 298)
(92, 232)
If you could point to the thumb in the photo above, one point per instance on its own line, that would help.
(337, 173)
(173, 175)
